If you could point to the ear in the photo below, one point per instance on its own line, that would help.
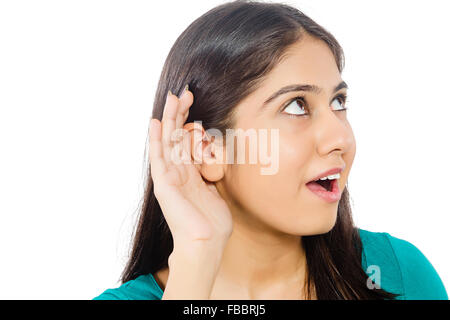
(206, 152)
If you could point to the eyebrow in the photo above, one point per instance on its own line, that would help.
(301, 87)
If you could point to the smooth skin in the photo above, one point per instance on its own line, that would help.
(237, 233)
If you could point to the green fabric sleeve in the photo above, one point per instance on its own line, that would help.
(111, 294)
(420, 279)
(143, 287)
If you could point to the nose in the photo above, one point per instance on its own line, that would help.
(332, 132)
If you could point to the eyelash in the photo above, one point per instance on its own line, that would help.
(342, 96)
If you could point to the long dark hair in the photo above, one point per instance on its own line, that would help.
(223, 56)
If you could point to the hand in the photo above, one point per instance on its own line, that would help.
(194, 210)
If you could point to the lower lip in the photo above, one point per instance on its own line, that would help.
(329, 196)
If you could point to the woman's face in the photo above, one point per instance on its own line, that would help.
(314, 136)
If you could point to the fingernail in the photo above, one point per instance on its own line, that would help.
(184, 90)
(169, 93)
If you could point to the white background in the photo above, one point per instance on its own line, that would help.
(77, 80)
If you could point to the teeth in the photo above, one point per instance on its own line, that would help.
(332, 176)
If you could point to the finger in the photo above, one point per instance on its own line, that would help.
(168, 125)
(212, 187)
(187, 143)
(157, 163)
(186, 101)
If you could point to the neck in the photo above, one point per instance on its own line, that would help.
(262, 263)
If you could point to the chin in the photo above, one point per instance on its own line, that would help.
(326, 227)
(314, 225)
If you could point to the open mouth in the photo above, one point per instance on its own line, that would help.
(324, 184)
(327, 187)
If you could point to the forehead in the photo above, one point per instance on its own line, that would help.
(308, 61)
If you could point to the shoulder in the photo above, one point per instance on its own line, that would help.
(143, 287)
(403, 267)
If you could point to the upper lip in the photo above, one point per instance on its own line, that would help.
(328, 172)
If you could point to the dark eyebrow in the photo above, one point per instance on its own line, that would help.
(301, 87)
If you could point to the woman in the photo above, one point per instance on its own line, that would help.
(225, 229)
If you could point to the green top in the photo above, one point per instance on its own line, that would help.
(394, 264)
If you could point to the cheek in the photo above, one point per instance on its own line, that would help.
(353, 148)
(295, 154)
(349, 156)
(274, 198)
(282, 186)
(281, 200)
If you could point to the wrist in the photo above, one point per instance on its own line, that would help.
(196, 254)
(192, 272)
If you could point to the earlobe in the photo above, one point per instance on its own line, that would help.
(211, 168)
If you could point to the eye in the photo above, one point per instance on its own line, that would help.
(293, 106)
(342, 99)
